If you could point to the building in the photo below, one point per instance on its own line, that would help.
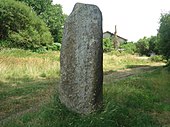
(110, 35)
(117, 40)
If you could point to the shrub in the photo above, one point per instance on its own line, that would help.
(107, 45)
(22, 27)
(156, 58)
(168, 66)
(54, 47)
(153, 44)
(142, 46)
(129, 47)
(4, 43)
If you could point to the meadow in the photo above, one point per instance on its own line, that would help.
(136, 92)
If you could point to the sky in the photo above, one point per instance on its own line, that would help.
(134, 18)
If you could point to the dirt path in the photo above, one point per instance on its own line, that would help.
(113, 76)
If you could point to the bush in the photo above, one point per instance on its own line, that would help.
(4, 44)
(156, 58)
(54, 47)
(129, 47)
(142, 46)
(168, 66)
(153, 44)
(22, 27)
(107, 45)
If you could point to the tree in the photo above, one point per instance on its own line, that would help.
(22, 27)
(39, 6)
(51, 14)
(153, 45)
(164, 35)
(142, 46)
(54, 18)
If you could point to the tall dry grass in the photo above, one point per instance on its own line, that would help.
(116, 62)
(33, 65)
(19, 63)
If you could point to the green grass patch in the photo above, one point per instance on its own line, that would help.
(27, 80)
(20, 95)
(137, 101)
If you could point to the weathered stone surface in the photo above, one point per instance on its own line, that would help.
(81, 60)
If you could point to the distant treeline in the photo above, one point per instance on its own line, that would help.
(154, 45)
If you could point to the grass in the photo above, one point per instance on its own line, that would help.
(26, 78)
(19, 63)
(116, 62)
(141, 100)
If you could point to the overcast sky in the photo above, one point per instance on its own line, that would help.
(134, 18)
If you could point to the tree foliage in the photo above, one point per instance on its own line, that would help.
(153, 44)
(54, 18)
(142, 46)
(51, 14)
(129, 47)
(164, 35)
(147, 45)
(39, 6)
(22, 27)
(107, 45)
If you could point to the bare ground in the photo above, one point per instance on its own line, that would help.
(130, 71)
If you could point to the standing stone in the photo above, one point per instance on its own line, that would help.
(81, 60)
